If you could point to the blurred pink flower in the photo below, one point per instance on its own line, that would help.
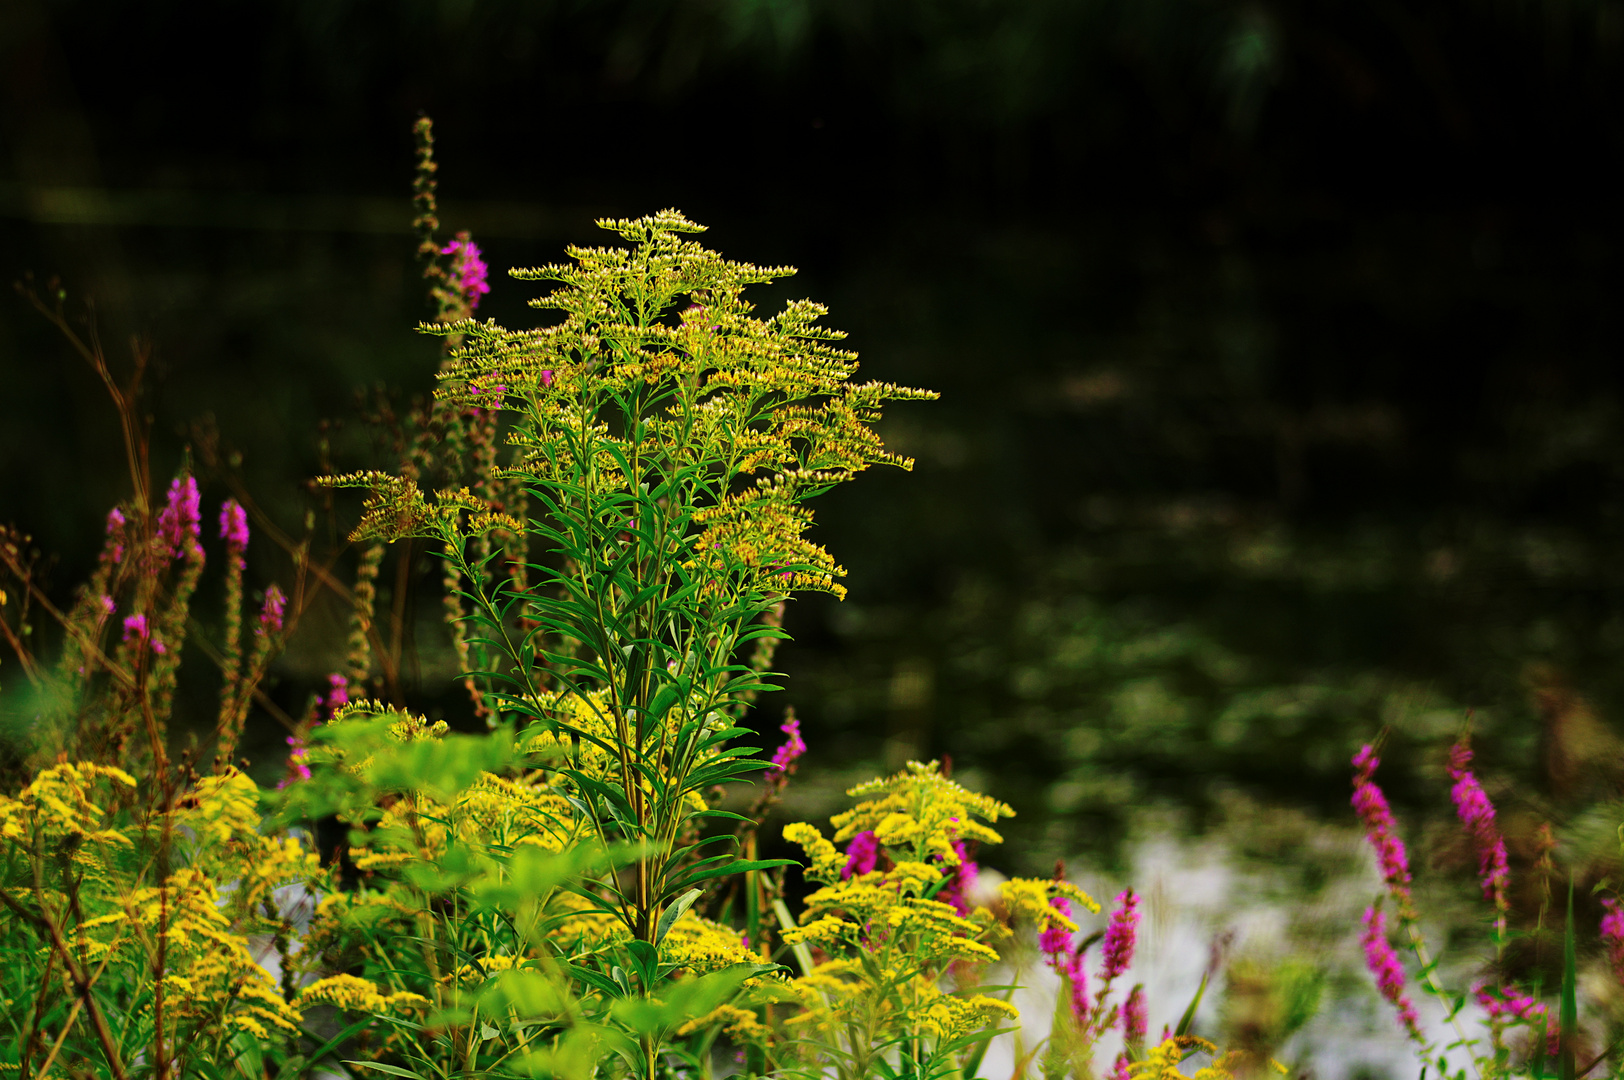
(1477, 815)
(1383, 963)
(862, 854)
(1120, 934)
(1380, 828)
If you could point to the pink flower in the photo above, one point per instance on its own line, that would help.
(960, 879)
(338, 693)
(234, 528)
(546, 377)
(1119, 1071)
(107, 605)
(1511, 1005)
(1477, 815)
(298, 762)
(1076, 975)
(1135, 1021)
(469, 269)
(785, 756)
(1383, 963)
(1377, 816)
(180, 522)
(270, 616)
(115, 529)
(1612, 932)
(135, 626)
(1056, 940)
(862, 854)
(1117, 948)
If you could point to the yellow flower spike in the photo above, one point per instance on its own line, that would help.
(827, 862)
(922, 812)
(359, 995)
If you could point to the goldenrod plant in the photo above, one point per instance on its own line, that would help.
(625, 515)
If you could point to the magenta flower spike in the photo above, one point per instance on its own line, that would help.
(338, 693)
(1076, 974)
(1612, 932)
(469, 269)
(1380, 828)
(180, 522)
(1477, 815)
(270, 616)
(1135, 1020)
(862, 854)
(786, 755)
(960, 879)
(135, 626)
(115, 532)
(234, 528)
(1120, 936)
(1383, 963)
(1056, 940)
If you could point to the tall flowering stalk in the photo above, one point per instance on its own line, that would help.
(1476, 815)
(234, 531)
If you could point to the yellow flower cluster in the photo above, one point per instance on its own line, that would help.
(359, 995)
(1028, 899)
(921, 811)
(63, 800)
(741, 1025)
(852, 915)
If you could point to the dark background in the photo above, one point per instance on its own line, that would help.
(1278, 341)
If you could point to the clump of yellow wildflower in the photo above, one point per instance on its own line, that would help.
(357, 995)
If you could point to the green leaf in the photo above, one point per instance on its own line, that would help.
(673, 911)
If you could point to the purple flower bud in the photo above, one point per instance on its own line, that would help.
(338, 693)
(107, 605)
(135, 626)
(546, 377)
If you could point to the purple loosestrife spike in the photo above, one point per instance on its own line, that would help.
(1076, 976)
(1119, 1071)
(1477, 815)
(469, 268)
(1377, 816)
(960, 880)
(785, 756)
(234, 527)
(1383, 963)
(135, 626)
(270, 617)
(107, 605)
(115, 528)
(1117, 947)
(862, 854)
(338, 693)
(1056, 940)
(1612, 932)
(180, 522)
(1134, 1018)
(1511, 1004)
